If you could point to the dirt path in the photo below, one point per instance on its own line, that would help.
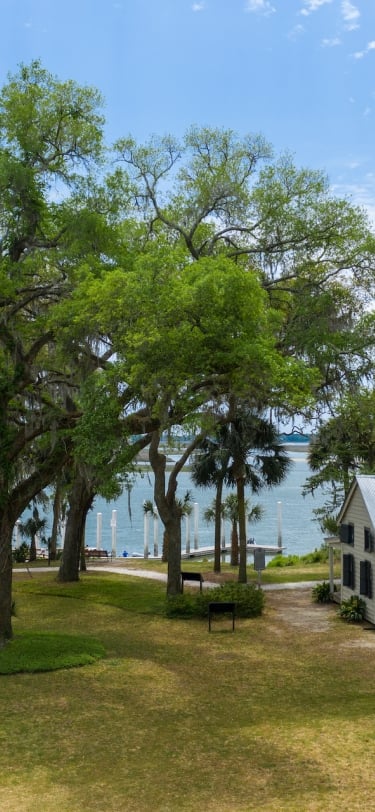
(295, 607)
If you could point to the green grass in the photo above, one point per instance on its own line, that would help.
(278, 715)
(43, 651)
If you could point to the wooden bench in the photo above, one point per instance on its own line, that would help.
(221, 608)
(191, 576)
(92, 552)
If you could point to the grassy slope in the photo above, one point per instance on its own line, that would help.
(275, 716)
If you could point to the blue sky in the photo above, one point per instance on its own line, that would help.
(301, 72)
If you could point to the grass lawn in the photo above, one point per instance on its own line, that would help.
(277, 716)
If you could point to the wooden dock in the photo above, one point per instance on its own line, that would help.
(205, 552)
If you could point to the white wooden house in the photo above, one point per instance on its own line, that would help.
(357, 542)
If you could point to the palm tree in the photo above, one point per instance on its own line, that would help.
(245, 451)
(30, 529)
(258, 460)
(229, 511)
(210, 469)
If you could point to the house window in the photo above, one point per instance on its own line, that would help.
(365, 578)
(369, 540)
(348, 570)
(347, 533)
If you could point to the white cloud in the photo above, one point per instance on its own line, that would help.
(331, 43)
(312, 5)
(351, 15)
(360, 193)
(198, 6)
(260, 6)
(369, 47)
(296, 32)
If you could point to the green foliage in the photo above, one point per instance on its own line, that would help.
(321, 593)
(21, 553)
(248, 598)
(30, 652)
(184, 605)
(343, 446)
(317, 556)
(283, 561)
(353, 609)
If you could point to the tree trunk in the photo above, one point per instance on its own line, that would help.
(173, 529)
(83, 565)
(242, 570)
(57, 503)
(169, 512)
(6, 530)
(218, 501)
(80, 500)
(234, 546)
(164, 556)
(32, 554)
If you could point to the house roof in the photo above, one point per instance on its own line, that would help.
(366, 485)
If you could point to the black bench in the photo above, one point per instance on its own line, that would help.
(92, 552)
(191, 576)
(221, 608)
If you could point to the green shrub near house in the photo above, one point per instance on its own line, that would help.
(353, 609)
(321, 593)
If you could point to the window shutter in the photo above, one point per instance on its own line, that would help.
(348, 570)
(369, 540)
(365, 576)
(346, 533)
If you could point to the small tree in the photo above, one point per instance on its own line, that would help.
(31, 528)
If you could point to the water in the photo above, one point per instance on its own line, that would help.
(300, 533)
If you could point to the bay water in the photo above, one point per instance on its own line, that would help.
(286, 513)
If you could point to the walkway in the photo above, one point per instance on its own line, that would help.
(161, 576)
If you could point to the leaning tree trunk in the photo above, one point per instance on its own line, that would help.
(169, 512)
(6, 531)
(80, 501)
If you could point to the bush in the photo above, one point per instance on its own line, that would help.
(181, 606)
(283, 561)
(21, 553)
(316, 557)
(248, 598)
(321, 593)
(353, 609)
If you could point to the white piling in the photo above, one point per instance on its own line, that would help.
(114, 533)
(187, 534)
(146, 526)
(222, 531)
(279, 531)
(99, 520)
(156, 533)
(196, 523)
(62, 531)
